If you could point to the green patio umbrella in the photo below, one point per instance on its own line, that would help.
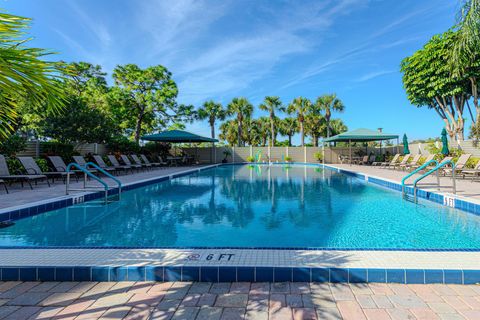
(444, 143)
(405, 144)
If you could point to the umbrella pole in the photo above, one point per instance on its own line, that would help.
(350, 148)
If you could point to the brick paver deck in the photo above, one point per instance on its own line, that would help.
(184, 300)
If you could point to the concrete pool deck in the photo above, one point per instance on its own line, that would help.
(466, 188)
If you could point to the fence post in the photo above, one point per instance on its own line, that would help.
(269, 157)
(233, 154)
(304, 154)
(37, 149)
(286, 151)
(251, 151)
(95, 148)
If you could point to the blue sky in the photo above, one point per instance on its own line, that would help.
(222, 49)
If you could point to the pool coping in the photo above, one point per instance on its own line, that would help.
(59, 272)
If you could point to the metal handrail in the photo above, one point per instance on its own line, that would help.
(442, 164)
(119, 183)
(423, 166)
(87, 173)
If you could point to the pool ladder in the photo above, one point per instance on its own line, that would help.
(435, 169)
(87, 173)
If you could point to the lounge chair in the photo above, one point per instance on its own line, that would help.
(4, 185)
(386, 163)
(429, 158)
(137, 161)
(127, 161)
(28, 178)
(60, 165)
(117, 165)
(164, 162)
(414, 162)
(32, 168)
(403, 162)
(459, 166)
(99, 160)
(473, 172)
(81, 162)
(145, 159)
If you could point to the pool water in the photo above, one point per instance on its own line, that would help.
(254, 206)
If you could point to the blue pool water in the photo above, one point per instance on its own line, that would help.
(259, 206)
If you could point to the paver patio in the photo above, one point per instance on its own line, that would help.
(185, 300)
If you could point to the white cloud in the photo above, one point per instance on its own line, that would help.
(96, 28)
(375, 74)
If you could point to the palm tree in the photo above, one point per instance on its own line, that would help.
(24, 74)
(212, 111)
(229, 132)
(272, 104)
(300, 106)
(329, 103)
(337, 126)
(315, 123)
(242, 108)
(288, 127)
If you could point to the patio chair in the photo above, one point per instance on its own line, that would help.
(137, 161)
(362, 161)
(60, 165)
(28, 178)
(145, 159)
(99, 160)
(32, 168)
(403, 162)
(471, 172)
(162, 161)
(459, 166)
(81, 162)
(127, 161)
(4, 185)
(386, 163)
(117, 165)
(414, 162)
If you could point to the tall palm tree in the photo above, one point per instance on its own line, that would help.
(272, 104)
(288, 127)
(329, 103)
(212, 111)
(315, 123)
(242, 108)
(229, 132)
(337, 126)
(300, 106)
(24, 74)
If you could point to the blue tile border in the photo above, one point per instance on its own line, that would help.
(238, 274)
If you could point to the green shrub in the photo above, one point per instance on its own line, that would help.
(123, 145)
(318, 156)
(14, 166)
(472, 162)
(53, 148)
(288, 158)
(250, 159)
(43, 164)
(13, 145)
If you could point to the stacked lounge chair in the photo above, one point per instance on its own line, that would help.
(60, 165)
(28, 178)
(429, 158)
(4, 185)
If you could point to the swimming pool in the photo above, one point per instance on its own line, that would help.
(276, 206)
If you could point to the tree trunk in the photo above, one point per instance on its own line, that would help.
(212, 128)
(240, 134)
(302, 134)
(327, 119)
(289, 140)
(138, 125)
(272, 132)
(315, 140)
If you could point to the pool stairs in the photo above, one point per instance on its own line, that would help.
(75, 167)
